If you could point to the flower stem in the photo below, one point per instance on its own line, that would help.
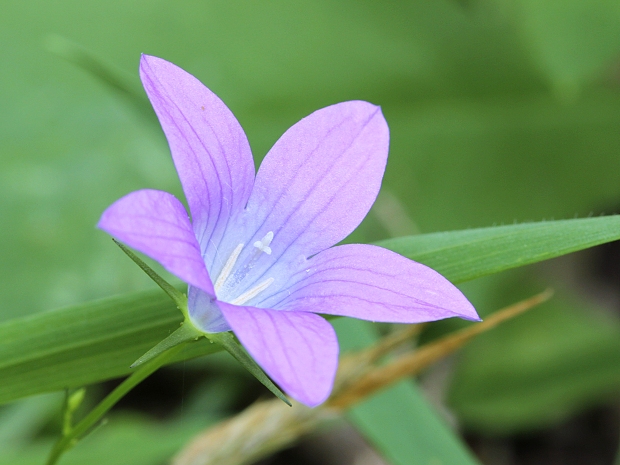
(74, 434)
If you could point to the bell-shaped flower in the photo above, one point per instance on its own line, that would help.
(258, 253)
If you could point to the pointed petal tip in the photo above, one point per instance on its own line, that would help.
(144, 58)
(312, 394)
(461, 307)
(470, 314)
(150, 64)
(104, 220)
(363, 107)
(156, 224)
(146, 61)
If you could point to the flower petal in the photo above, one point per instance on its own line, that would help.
(204, 312)
(156, 223)
(209, 148)
(298, 350)
(372, 283)
(320, 179)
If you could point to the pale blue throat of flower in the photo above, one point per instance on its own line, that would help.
(230, 277)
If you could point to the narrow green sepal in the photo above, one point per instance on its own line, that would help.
(177, 296)
(228, 342)
(185, 333)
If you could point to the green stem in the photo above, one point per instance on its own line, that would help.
(76, 433)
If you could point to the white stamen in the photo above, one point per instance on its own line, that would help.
(263, 244)
(243, 298)
(230, 263)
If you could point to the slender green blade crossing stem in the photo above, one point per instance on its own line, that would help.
(78, 431)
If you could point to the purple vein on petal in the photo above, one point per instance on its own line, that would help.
(319, 179)
(205, 203)
(209, 148)
(298, 350)
(324, 174)
(156, 223)
(296, 215)
(369, 282)
(292, 179)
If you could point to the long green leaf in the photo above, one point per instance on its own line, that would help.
(465, 255)
(99, 340)
(84, 344)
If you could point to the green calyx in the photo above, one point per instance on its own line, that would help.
(187, 332)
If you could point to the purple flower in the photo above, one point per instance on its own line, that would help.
(258, 253)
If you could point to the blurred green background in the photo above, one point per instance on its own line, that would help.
(500, 111)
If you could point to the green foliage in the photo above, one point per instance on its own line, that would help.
(72, 433)
(59, 349)
(124, 440)
(582, 39)
(466, 255)
(499, 111)
(80, 345)
(529, 373)
(399, 421)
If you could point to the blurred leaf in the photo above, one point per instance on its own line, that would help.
(100, 340)
(125, 85)
(398, 421)
(457, 164)
(572, 40)
(127, 440)
(84, 344)
(537, 370)
(401, 424)
(21, 421)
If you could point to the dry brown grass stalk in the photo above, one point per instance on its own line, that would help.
(269, 426)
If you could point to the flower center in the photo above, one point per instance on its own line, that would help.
(228, 280)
